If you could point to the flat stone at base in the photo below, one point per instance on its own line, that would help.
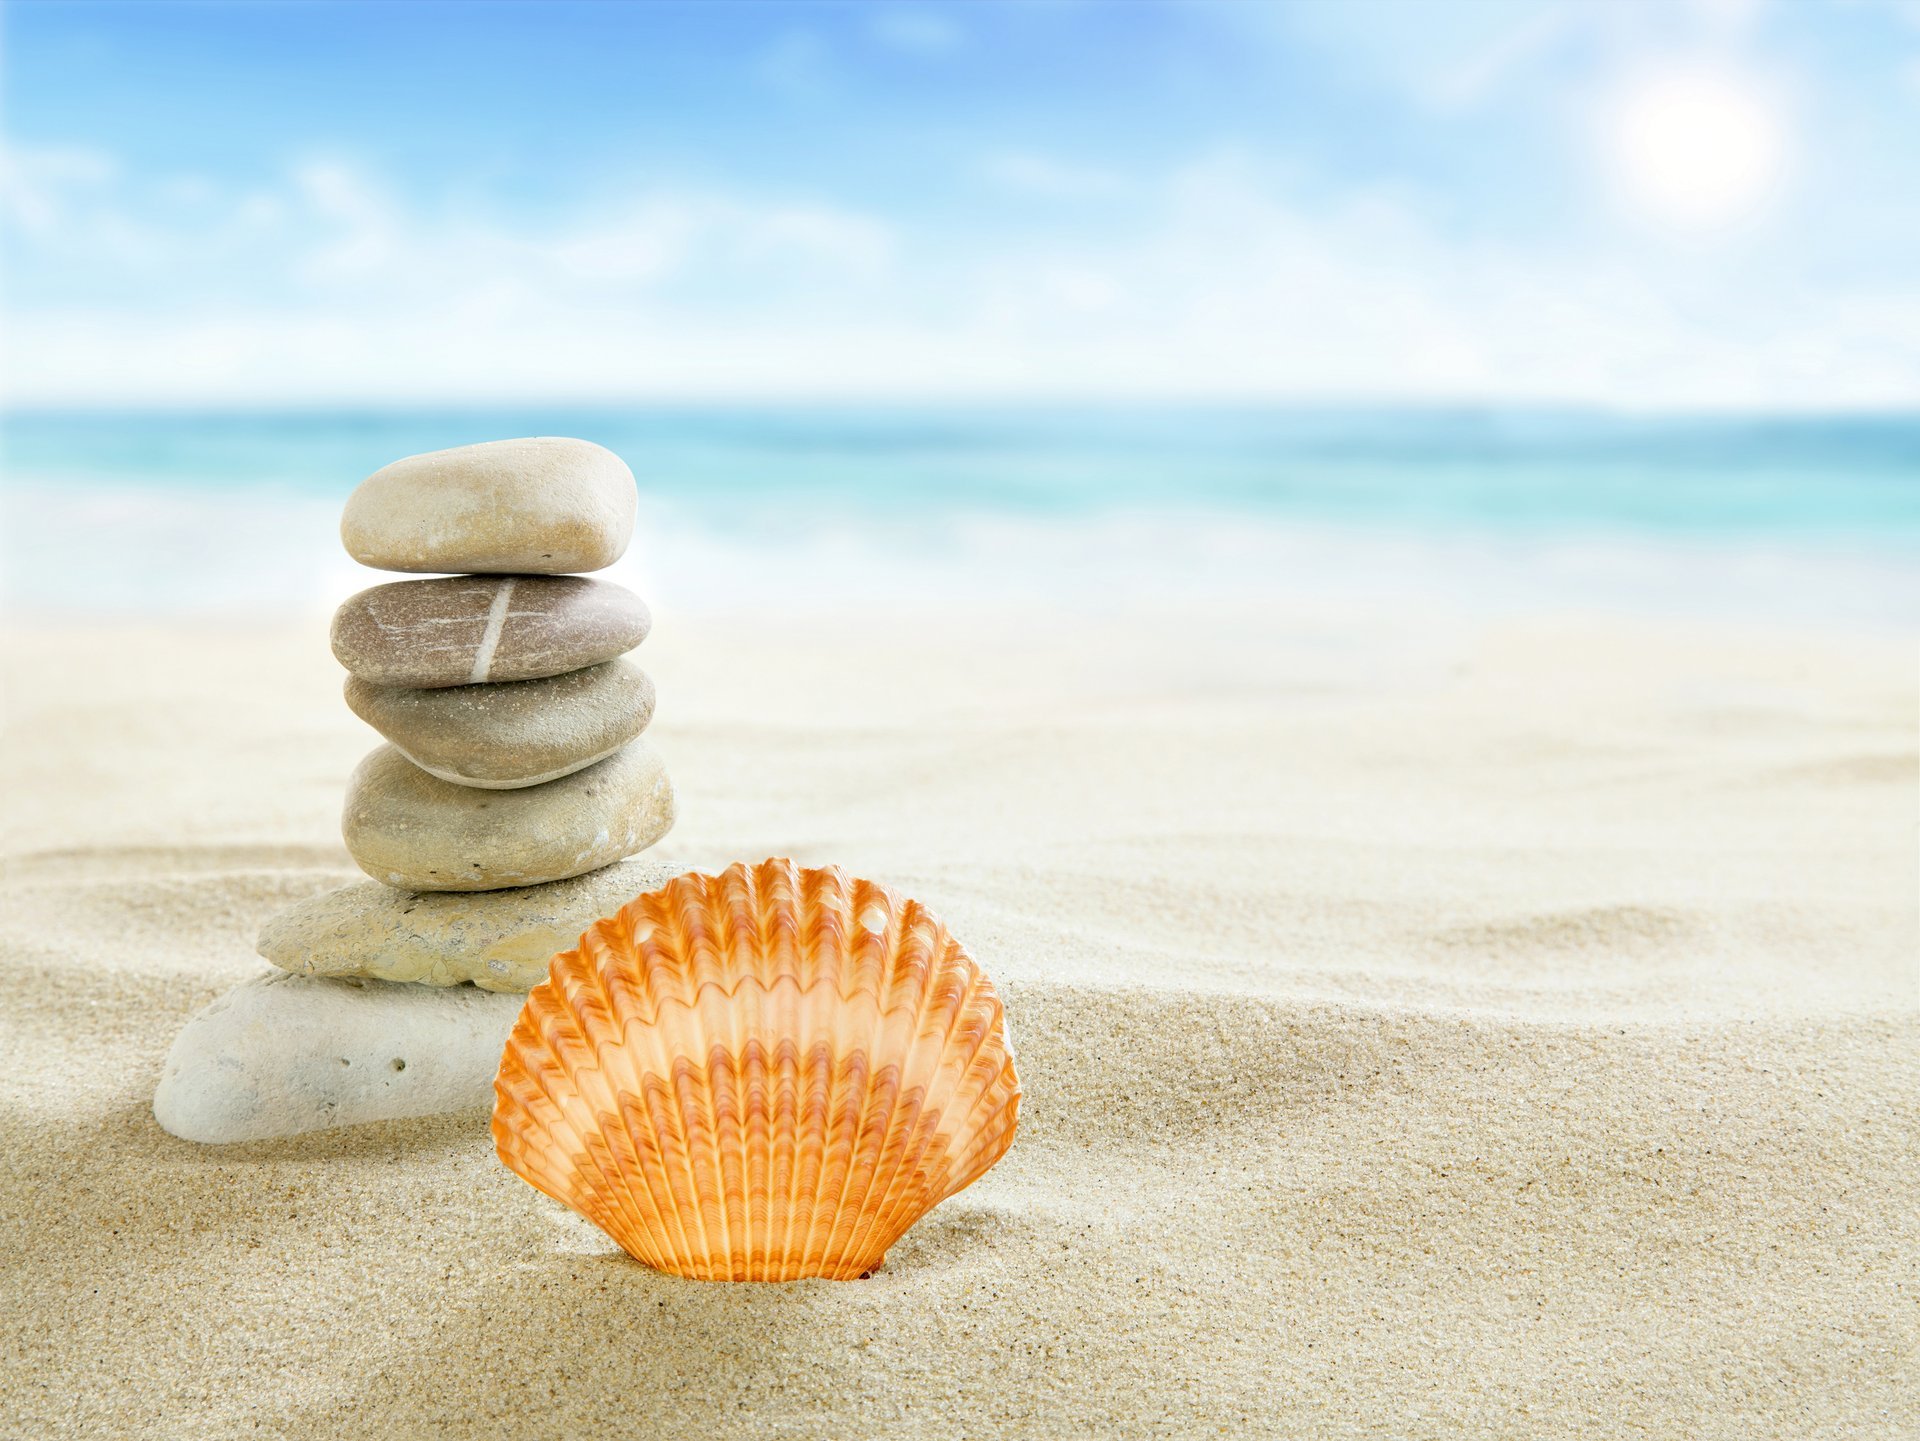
(501, 940)
(284, 1054)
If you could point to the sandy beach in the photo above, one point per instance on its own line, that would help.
(1498, 1028)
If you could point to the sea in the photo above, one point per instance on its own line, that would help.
(1765, 517)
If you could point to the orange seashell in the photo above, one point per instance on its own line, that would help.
(758, 1076)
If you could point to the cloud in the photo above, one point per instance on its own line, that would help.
(917, 32)
(39, 185)
(361, 229)
(799, 65)
(329, 284)
(1440, 56)
(328, 230)
(1471, 78)
(1028, 173)
(1210, 280)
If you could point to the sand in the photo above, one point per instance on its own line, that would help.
(1491, 1028)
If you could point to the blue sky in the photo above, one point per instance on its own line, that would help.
(1684, 204)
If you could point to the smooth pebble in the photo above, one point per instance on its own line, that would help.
(523, 733)
(408, 829)
(545, 505)
(470, 630)
(282, 1054)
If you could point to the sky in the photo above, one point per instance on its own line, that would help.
(1686, 204)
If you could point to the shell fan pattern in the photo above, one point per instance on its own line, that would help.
(763, 1075)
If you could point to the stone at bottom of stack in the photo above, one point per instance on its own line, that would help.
(282, 1054)
(336, 1044)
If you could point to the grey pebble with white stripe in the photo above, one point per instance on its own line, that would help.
(471, 629)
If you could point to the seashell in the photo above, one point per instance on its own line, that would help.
(759, 1076)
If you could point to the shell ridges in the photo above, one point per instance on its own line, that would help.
(765, 1074)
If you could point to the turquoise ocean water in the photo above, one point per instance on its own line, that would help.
(1450, 468)
(205, 509)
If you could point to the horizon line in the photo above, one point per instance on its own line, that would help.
(960, 403)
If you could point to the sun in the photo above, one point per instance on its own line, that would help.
(1696, 149)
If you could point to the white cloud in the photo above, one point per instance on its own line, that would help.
(1469, 79)
(798, 65)
(1211, 281)
(644, 245)
(360, 228)
(837, 237)
(1734, 16)
(39, 185)
(1446, 56)
(1028, 173)
(917, 32)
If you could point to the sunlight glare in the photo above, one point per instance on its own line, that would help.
(1696, 149)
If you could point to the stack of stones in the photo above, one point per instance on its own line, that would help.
(504, 814)
(513, 755)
